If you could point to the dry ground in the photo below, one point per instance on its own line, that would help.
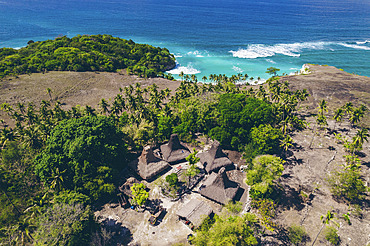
(335, 86)
(307, 169)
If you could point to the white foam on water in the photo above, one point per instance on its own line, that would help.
(189, 69)
(261, 50)
(354, 46)
(238, 69)
(195, 53)
(363, 42)
(271, 61)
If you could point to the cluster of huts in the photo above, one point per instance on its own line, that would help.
(216, 186)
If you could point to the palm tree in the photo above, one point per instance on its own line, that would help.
(48, 90)
(104, 106)
(3, 188)
(356, 116)
(286, 143)
(348, 107)
(323, 107)
(360, 137)
(181, 75)
(204, 78)
(20, 106)
(325, 221)
(22, 231)
(321, 119)
(194, 78)
(338, 115)
(89, 111)
(57, 180)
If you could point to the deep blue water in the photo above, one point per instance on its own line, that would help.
(209, 36)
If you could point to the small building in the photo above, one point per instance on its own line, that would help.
(195, 211)
(214, 159)
(219, 188)
(126, 187)
(149, 165)
(174, 151)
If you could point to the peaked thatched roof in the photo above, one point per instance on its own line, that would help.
(195, 211)
(219, 188)
(126, 187)
(148, 164)
(174, 151)
(214, 158)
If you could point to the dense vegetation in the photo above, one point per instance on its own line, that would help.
(86, 53)
(56, 164)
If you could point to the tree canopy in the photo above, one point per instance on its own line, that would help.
(238, 114)
(262, 173)
(87, 150)
(233, 230)
(86, 53)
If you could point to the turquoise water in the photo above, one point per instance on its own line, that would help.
(222, 37)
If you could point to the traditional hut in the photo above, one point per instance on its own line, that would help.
(195, 211)
(219, 188)
(214, 158)
(148, 165)
(174, 151)
(126, 187)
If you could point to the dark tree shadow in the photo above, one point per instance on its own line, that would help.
(290, 198)
(114, 233)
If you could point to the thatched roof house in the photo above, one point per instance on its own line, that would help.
(126, 187)
(214, 158)
(148, 165)
(219, 188)
(174, 151)
(195, 211)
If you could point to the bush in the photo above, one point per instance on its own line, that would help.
(262, 173)
(264, 140)
(172, 179)
(331, 235)
(347, 184)
(297, 234)
(234, 207)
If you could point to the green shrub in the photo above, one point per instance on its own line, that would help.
(172, 179)
(234, 207)
(347, 184)
(331, 235)
(297, 234)
(262, 173)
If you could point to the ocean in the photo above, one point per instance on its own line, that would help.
(209, 36)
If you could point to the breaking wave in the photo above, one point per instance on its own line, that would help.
(363, 42)
(262, 50)
(189, 69)
(238, 69)
(354, 46)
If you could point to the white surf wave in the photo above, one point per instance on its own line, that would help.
(354, 46)
(363, 42)
(238, 69)
(196, 53)
(261, 50)
(189, 69)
